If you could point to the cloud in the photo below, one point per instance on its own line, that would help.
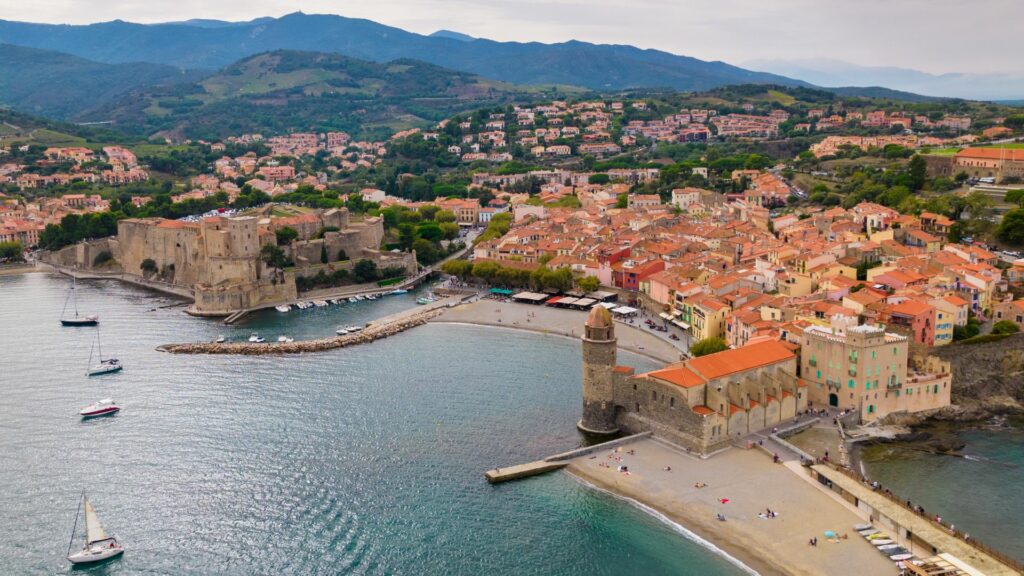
(932, 35)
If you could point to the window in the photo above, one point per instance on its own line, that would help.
(819, 374)
(672, 402)
(637, 406)
(654, 395)
(872, 354)
(852, 385)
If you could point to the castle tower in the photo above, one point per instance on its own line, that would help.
(599, 347)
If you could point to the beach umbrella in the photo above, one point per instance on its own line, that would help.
(830, 534)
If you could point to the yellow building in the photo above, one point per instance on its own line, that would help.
(709, 318)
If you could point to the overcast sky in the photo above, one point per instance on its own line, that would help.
(930, 35)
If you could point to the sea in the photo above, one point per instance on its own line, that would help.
(980, 492)
(363, 460)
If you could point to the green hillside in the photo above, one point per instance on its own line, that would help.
(284, 91)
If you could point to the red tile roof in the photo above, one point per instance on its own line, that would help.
(740, 359)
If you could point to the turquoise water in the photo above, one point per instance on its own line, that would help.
(366, 460)
(982, 494)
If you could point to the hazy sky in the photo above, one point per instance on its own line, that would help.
(931, 35)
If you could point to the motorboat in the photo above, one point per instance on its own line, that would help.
(320, 303)
(282, 339)
(103, 407)
(254, 337)
(341, 331)
(360, 297)
(77, 320)
(220, 339)
(304, 305)
(98, 545)
(398, 291)
(106, 365)
(353, 328)
(371, 297)
(352, 300)
(881, 542)
(860, 527)
(421, 301)
(901, 557)
(283, 308)
(868, 532)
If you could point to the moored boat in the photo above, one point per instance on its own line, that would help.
(220, 339)
(341, 331)
(106, 365)
(256, 338)
(89, 320)
(320, 303)
(352, 300)
(98, 545)
(282, 339)
(103, 407)
(283, 308)
(398, 291)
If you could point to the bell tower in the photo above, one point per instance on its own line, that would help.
(599, 346)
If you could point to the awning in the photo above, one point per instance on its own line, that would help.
(584, 302)
(568, 301)
(553, 300)
(665, 315)
(625, 310)
(681, 324)
(501, 291)
(530, 297)
(608, 305)
(602, 295)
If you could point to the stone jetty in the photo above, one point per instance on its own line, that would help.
(381, 328)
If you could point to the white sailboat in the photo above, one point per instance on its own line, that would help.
(106, 365)
(98, 545)
(77, 320)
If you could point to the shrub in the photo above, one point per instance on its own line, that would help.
(148, 266)
(708, 346)
(1005, 327)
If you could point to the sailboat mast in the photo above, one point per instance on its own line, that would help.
(99, 345)
(75, 527)
(74, 286)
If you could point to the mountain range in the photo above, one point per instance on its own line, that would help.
(211, 45)
(832, 73)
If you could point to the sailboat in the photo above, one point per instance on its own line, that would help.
(98, 545)
(77, 320)
(106, 366)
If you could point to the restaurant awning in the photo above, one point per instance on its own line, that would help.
(608, 305)
(584, 302)
(681, 324)
(665, 315)
(624, 310)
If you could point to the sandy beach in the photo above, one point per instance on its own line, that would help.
(12, 269)
(751, 483)
(558, 321)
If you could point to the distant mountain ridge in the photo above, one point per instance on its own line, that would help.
(59, 85)
(213, 45)
(830, 73)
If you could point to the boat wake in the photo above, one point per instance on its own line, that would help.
(675, 526)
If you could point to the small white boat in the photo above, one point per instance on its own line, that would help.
(283, 339)
(360, 297)
(283, 308)
(901, 557)
(398, 291)
(341, 331)
(103, 407)
(254, 337)
(320, 303)
(885, 548)
(304, 305)
(371, 297)
(108, 366)
(353, 328)
(881, 542)
(868, 532)
(98, 545)
(860, 527)
(105, 366)
(220, 339)
(352, 300)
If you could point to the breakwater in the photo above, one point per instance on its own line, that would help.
(381, 328)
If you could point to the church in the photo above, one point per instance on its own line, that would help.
(701, 404)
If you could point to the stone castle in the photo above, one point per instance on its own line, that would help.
(702, 404)
(218, 260)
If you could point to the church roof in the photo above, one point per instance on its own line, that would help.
(599, 317)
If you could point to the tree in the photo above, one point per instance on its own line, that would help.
(449, 230)
(365, 271)
(708, 346)
(429, 212)
(1014, 122)
(1011, 229)
(429, 231)
(1015, 197)
(599, 178)
(1005, 327)
(11, 251)
(323, 254)
(444, 216)
(588, 284)
(972, 329)
(285, 235)
(148, 266)
(622, 201)
(917, 169)
(426, 251)
(273, 256)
